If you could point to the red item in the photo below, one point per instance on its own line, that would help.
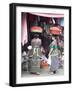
(55, 30)
(36, 29)
(44, 64)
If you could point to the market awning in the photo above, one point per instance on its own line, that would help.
(53, 15)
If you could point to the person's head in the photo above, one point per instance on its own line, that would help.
(54, 37)
(36, 35)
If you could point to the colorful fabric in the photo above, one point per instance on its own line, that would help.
(36, 29)
(55, 48)
(54, 63)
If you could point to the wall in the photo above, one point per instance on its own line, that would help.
(4, 44)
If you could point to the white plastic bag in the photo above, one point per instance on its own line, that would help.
(49, 60)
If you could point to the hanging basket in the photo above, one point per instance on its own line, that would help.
(36, 29)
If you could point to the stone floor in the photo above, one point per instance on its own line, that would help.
(43, 72)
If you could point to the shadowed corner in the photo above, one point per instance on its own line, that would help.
(7, 84)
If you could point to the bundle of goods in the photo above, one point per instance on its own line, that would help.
(36, 29)
(55, 30)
